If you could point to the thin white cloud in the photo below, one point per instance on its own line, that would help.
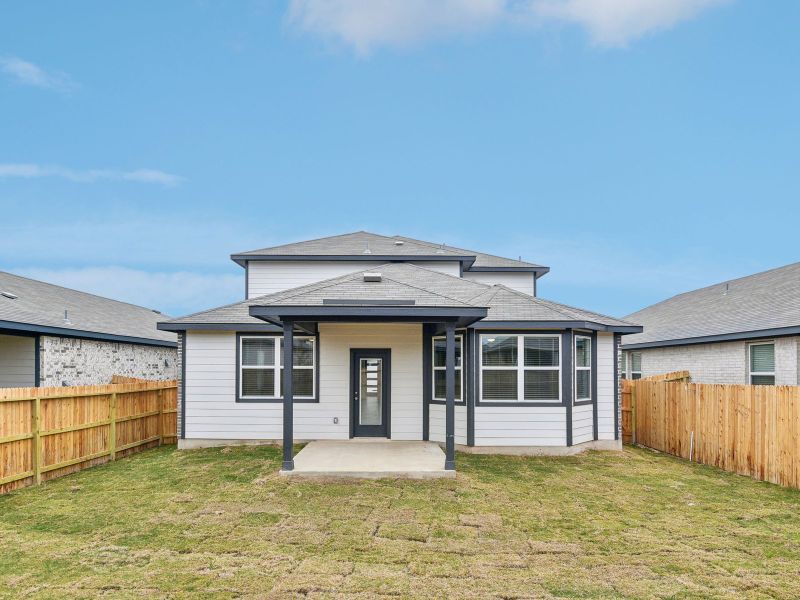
(617, 22)
(27, 73)
(367, 24)
(33, 171)
(175, 293)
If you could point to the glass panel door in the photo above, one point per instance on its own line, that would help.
(371, 393)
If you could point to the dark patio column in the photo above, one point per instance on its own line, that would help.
(450, 396)
(288, 392)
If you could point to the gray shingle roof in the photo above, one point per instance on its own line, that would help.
(359, 242)
(404, 281)
(767, 300)
(43, 304)
(481, 258)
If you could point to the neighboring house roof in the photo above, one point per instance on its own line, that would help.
(362, 245)
(405, 282)
(764, 304)
(40, 307)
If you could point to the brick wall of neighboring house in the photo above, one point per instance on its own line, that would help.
(723, 362)
(71, 361)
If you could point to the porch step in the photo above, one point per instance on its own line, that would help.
(370, 459)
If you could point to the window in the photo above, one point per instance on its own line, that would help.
(636, 365)
(439, 366)
(521, 368)
(261, 367)
(623, 365)
(583, 368)
(762, 364)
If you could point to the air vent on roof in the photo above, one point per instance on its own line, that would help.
(399, 242)
(158, 312)
(372, 276)
(367, 250)
(440, 249)
(9, 295)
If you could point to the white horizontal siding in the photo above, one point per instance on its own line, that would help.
(17, 361)
(605, 386)
(436, 433)
(582, 424)
(520, 426)
(270, 276)
(522, 282)
(213, 413)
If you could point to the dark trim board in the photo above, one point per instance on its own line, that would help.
(723, 337)
(257, 327)
(594, 387)
(239, 400)
(37, 361)
(538, 271)
(470, 360)
(427, 380)
(567, 375)
(12, 326)
(382, 258)
(461, 315)
(532, 325)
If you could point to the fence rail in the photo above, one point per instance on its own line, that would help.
(747, 429)
(50, 432)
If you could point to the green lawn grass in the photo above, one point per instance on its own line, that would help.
(221, 523)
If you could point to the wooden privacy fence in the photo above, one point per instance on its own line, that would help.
(746, 429)
(49, 432)
(626, 402)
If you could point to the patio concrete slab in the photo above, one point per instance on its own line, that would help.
(370, 459)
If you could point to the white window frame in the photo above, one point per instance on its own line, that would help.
(632, 371)
(577, 368)
(459, 369)
(278, 367)
(750, 373)
(520, 368)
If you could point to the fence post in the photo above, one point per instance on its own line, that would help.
(36, 423)
(633, 412)
(160, 398)
(113, 432)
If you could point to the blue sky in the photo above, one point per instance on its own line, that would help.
(639, 149)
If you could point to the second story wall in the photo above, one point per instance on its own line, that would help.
(268, 277)
(522, 282)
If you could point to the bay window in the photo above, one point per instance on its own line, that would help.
(520, 368)
(583, 368)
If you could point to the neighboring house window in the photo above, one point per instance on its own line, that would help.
(762, 364)
(623, 365)
(439, 367)
(636, 365)
(261, 368)
(583, 368)
(520, 368)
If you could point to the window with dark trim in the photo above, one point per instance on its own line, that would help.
(583, 368)
(439, 367)
(261, 367)
(520, 368)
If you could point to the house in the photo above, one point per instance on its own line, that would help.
(54, 336)
(397, 338)
(743, 331)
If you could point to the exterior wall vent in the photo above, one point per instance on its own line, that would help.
(372, 277)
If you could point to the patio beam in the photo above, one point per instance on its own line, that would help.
(288, 400)
(450, 396)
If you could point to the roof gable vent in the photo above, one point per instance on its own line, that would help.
(372, 277)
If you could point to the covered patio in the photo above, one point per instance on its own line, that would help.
(370, 458)
(383, 457)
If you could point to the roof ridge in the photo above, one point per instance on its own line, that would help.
(73, 290)
(316, 239)
(416, 287)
